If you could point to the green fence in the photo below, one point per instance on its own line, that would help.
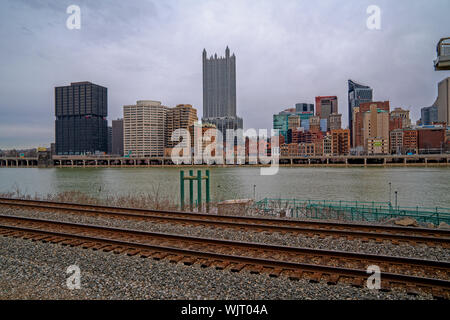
(352, 210)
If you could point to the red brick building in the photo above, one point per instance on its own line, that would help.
(340, 141)
(410, 141)
(431, 140)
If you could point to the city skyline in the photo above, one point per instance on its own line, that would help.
(274, 71)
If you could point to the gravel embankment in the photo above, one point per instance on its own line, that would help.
(299, 240)
(36, 270)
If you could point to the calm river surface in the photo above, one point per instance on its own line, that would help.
(416, 186)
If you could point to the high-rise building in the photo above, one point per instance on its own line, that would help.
(326, 106)
(181, 117)
(293, 122)
(340, 142)
(219, 92)
(81, 126)
(109, 140)
(117, 137)
(281, 120)
(304, 107)
(358, 124)
(429, 115)
(443, 101)
(314, 123)
(144, 128)
(357, 94)
(334, 121)
(375, 130)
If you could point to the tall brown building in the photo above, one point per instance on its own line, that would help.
(335, 121)
(340, 141)
(358, 121)
(183, 116)
(314, 124)
(410, 141)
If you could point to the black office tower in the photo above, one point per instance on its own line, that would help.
(81, 126)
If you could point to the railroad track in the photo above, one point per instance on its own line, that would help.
(379, 233)
(316, 265)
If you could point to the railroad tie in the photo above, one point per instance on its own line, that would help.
(119, 250)
(236, 267)
(132, 252)
(159, 255)
(174, 258)
(315, 277)
(358, 282)
(145, 254)
(221, 265)
(108, 248)
(204, 263)
(333, 279)
(188, 260)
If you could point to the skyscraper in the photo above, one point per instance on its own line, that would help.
(443, 101)
(357, 93)
(81, 126)
(183, 116)
(219, 91)
(110, 133)
(304, 107)
(429, 115)
(144, 127)
(326, 106)
(117, 137)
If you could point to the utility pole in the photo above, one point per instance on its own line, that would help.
(390, 193)
(396, 203)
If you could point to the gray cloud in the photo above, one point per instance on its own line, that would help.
(287, 52)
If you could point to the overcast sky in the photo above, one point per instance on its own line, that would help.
(287, 51)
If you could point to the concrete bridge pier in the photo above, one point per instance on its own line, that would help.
(365, 162)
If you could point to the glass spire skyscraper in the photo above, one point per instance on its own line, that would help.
(219, 92)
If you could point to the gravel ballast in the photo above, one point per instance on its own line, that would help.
(298, 240)
(36, 270)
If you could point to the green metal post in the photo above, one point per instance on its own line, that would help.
(191, 190)
(208, 199)
(182, 189)
(199, 189)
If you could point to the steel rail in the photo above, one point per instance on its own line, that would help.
(439, 287)
(336, 229)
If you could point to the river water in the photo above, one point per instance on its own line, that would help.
(416, 186)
